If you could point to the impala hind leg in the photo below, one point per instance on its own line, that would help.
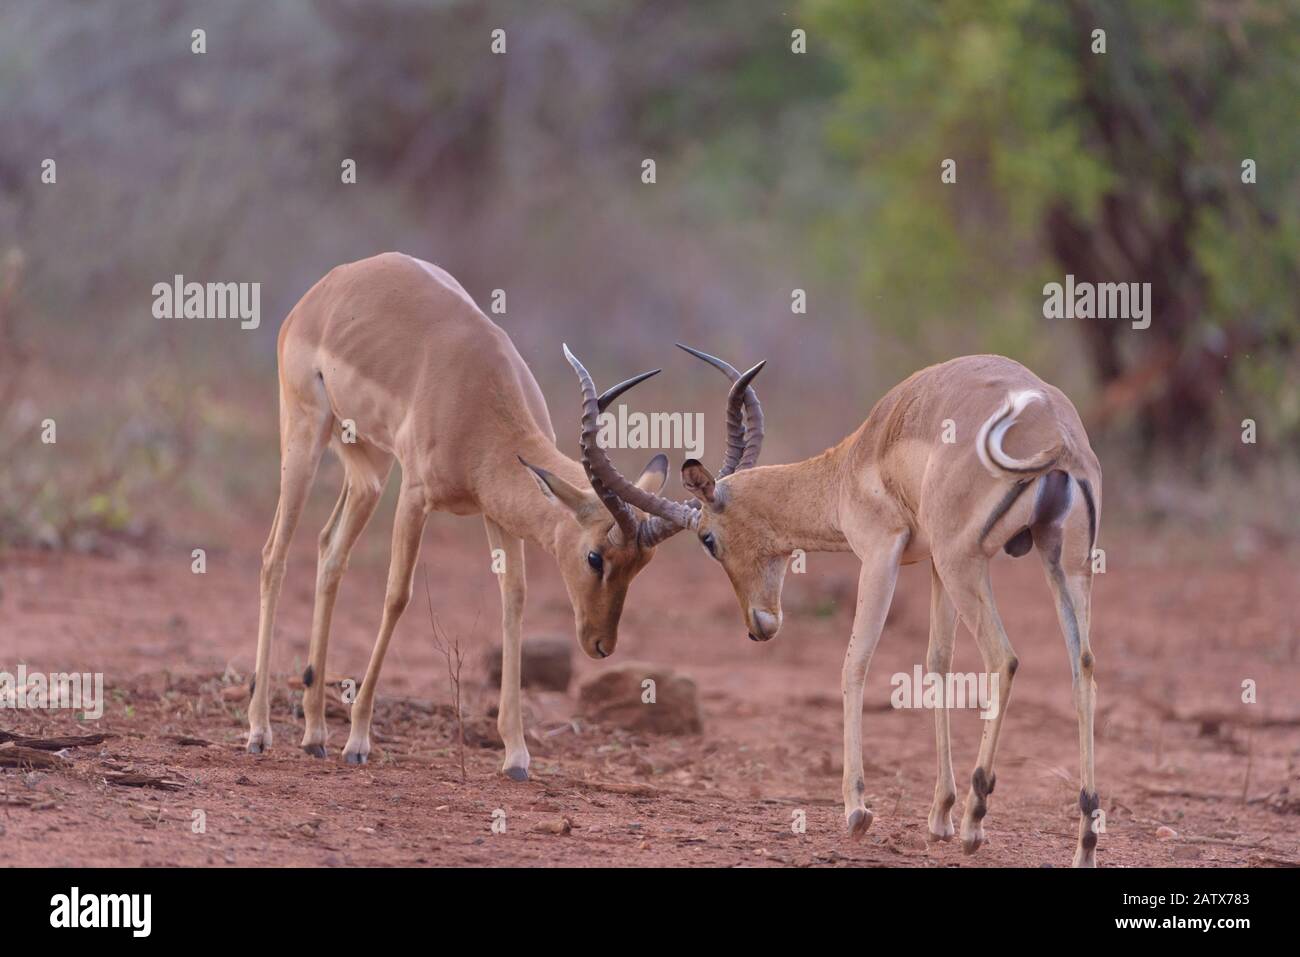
(971, 591)
(880, 562)
(1067, 560)
(408, 526)
(304, 432)
(513, 592)
(938, 660)
(366, 470)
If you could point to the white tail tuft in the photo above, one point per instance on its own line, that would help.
(989, 441)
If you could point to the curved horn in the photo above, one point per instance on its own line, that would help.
(609, 395)
(744, 442)
(607, 480)
(624, 520)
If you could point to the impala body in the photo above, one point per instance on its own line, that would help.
(956, 463)
(388, 359)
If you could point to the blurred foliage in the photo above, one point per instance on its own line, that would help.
(1117, 166)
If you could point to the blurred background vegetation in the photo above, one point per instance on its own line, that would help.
(775, 171)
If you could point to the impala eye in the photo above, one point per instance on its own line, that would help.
(596, 562)
(707, 541)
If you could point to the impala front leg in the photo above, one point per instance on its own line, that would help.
(356, 505)
(408, 527)
(875, 592)
(510, 722)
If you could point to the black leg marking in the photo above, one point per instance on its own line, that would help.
(982, 785)
(1003, 506)
(1052, 500)
(308, 677)
(252, 684)
(1088, 804)
(1092, 512)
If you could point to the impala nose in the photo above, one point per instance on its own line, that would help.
(765, 625)
(600, 648)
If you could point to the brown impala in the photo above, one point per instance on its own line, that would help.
(935, 472)
(389, 359)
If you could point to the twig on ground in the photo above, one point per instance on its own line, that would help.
(451, 651)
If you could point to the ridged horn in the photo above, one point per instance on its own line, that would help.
(614, 490)
(744, 414)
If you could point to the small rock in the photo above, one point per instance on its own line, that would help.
(618, 696)
(545, 663)
(1165, 833)
(559, 826)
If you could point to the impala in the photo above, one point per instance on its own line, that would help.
(958, 461)
(389, 359)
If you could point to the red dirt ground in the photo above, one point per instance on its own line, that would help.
(1178, 625)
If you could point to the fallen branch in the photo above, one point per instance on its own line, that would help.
(619, 787)
(16, 756)
(137, 780)
(1183, 793)
(1211, 721)
(54, 744)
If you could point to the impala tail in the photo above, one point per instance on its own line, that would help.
(1050, 471)
(989, 441)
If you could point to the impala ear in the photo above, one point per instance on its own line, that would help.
(699, 481)
(558, 490)
(654, 475)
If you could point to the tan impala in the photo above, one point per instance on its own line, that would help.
(389, 359)
(953, 464)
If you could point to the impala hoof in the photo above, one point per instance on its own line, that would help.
(517, 774)
(315, 750)
(859, 821)
(354, 757)
(259, 742)
(969, 845)
(934, 837)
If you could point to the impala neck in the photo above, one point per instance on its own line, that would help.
(510, 495)
(798, 503)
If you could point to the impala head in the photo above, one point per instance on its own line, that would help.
(739, 540)
(597, 559)
(728, 525)
(616, 523)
